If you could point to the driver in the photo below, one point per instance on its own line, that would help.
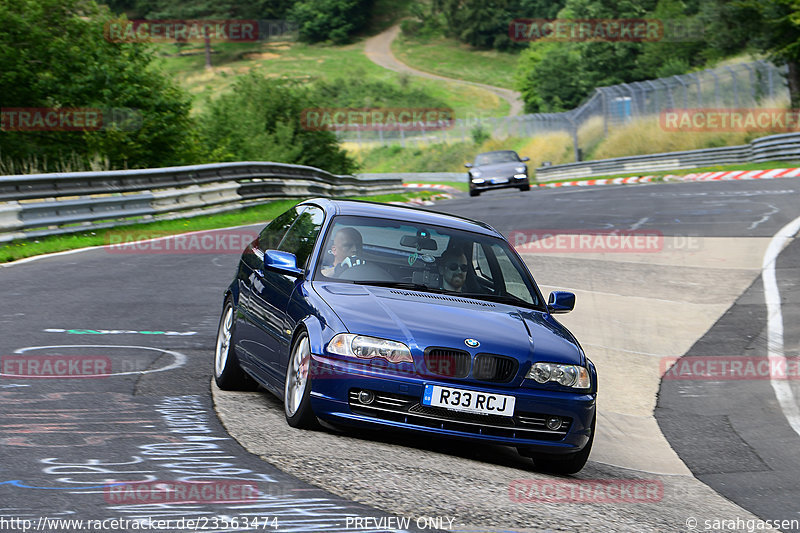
(346, 249)
(453, 268)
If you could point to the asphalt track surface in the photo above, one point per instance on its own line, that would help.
(153, 317)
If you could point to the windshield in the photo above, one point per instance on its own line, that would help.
(382, 252)
(496, 157)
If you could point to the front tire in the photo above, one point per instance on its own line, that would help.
(473, 192)
(297, 387)
(227, 372)
(525, 187)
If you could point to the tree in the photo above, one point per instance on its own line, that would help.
(195, 10)
(334, 20)
(780, 37)
(76, 67)
(556, 76)
(260, 120)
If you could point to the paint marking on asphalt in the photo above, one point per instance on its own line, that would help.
(764, 218)
(772, 296)
(640, 223)
(179, 358)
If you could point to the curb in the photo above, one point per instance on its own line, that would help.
(703, 176)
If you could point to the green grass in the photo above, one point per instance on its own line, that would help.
(450, 58)
(432, 158)
(440, 157)
(260, 214)
(306, 63)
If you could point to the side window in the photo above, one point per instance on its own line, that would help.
(300, 239)
(480, 264)
(271, 236)
(511, 276)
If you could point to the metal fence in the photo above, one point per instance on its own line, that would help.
(50, 204)
(771, 148)
(754, 84)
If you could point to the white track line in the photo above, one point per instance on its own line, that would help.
(772, 296)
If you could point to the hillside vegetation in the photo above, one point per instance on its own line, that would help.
(182, 106)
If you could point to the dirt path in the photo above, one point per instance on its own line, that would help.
(379, 51)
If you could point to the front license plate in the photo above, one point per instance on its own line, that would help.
(499, 180)
(469, 401)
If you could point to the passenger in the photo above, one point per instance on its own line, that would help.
(346, 251)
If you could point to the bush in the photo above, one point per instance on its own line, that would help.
(358, 92)
(480, 135)
(330, 20)
(260, 120)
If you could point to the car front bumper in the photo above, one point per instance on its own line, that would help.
(334, 397)
(489, 184)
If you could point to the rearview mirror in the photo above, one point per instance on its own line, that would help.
(421, 243)
(282, 262)
(560, 302)
(525, 159)
(468, 165)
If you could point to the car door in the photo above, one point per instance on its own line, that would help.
(250, 338)
(271, 291)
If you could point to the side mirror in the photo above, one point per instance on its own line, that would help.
(468, 165)
(282, 262)
(525, 159)
(560, 302)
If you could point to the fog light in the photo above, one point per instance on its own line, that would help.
(366, 397)
(553, 423)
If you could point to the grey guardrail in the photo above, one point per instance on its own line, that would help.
(48, 204)
(413, 177)
(774, 147)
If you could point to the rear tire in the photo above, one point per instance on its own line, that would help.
(227, 372)
(297, 386)
(566, 464)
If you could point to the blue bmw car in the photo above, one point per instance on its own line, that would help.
(389, 317)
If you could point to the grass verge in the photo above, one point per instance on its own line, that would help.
(306, 63)
(452, 59)
(259, 214)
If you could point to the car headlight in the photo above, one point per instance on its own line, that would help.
(573, 376)
(520, 170)
(364, 347)
(476, 173)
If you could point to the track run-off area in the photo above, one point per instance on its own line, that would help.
(704, 270)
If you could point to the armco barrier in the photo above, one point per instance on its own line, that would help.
(773, 148)
(50, 204)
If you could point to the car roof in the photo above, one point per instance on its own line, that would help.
(496, 152)
(404, 213)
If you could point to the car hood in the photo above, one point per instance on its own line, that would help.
(423, 320)
(500, 168)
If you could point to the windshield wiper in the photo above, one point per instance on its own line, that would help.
(402, 285)
(499, 298)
